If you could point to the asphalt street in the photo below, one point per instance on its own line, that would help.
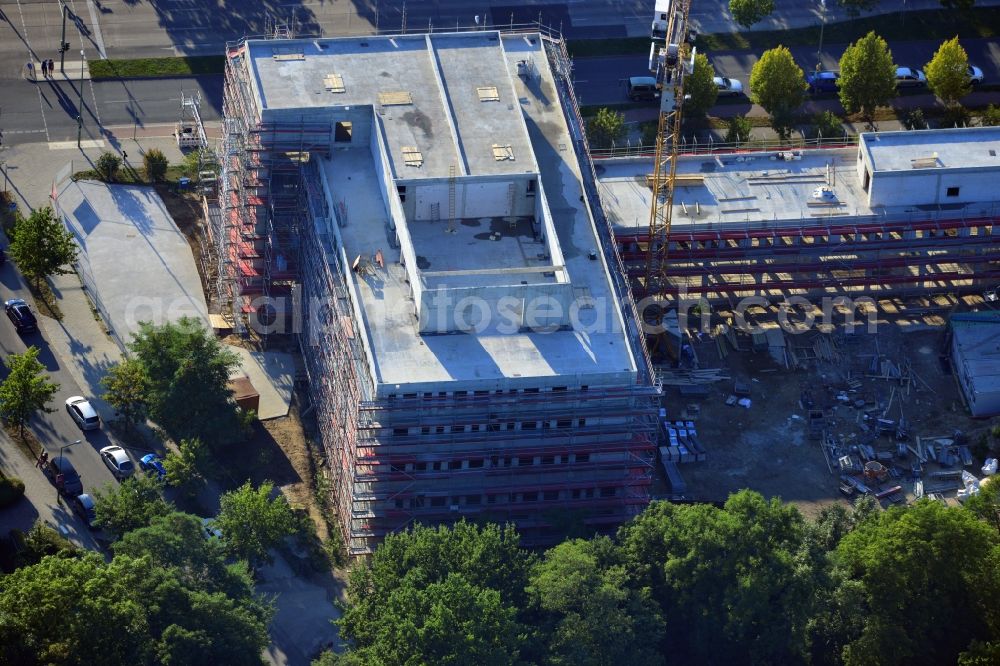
(601, 80)
(55, 429)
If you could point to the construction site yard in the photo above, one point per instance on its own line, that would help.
(796, 413)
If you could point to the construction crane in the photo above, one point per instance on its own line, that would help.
(671, 63)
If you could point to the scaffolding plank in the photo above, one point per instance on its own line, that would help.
(395, 98)
(503, 151)
(334, 83)
(412, 156)
(488, 94)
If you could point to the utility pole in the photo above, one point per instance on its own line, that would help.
(819, 51)
(62, 43)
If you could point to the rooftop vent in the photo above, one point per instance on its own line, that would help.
(503, 151)
(334, 83)
(488, 94)
(929, 162)
(286, 54)
(412, 157)
(395, 98)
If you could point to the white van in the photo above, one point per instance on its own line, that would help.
(660, 19)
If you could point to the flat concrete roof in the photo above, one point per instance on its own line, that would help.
(596, 352)
(965, 148)
(735, 190)
(977, 336)
(133, 259)
(433, 82)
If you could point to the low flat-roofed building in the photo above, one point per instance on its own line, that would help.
(975, 355)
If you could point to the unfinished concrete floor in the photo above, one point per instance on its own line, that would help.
(767, 447)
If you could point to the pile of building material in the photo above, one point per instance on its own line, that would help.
(683, 446)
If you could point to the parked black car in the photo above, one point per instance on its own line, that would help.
(21, 315)
(65, 477)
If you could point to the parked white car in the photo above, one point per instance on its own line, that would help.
(117, 461)
(908, 77)
(83, 413)
(730, 87)
(975, 75)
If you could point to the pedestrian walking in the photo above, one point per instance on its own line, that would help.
(29, 71)
(52, 67)
(45, 69)
(124, 156)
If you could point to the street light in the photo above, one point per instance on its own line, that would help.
(822, 26)
(58, 473)
(66, 446)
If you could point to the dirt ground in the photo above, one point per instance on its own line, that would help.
(767, 447)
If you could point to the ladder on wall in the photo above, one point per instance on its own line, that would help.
(451, 199)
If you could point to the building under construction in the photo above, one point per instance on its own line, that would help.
(471, 348)
(898, 213)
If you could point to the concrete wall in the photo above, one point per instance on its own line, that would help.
(475, 197)
(930, 186)
(456, 309)
(980, 404)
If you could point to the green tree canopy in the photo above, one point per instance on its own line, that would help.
(41, 246)
(27, 389)
(185, 467)
(606, 128)
(730, 582)
(66, 611)
(155, 163)
(108, 165)
(778, 85)
(131, 505)
(867, 76)
(749, 12)
(252, 523)
(188, 371)
(589, 611)
(481, 571)
(915, 567)
(948, 72)
(700, 86)
(127, 390)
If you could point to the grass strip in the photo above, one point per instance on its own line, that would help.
(151, 68)
(931, 24)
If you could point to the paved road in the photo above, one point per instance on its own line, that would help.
(599, 80)
(56, 429)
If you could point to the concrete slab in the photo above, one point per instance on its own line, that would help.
(134, 261)
(273, 375)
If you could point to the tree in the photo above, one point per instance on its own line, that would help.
(855, 7)
(991, 116)
(188, 371)
(867, 76)
(948, 72)
(127, 390)
(41, 246)
(606, 128)
(700, 87)
(252, 523)
(27, 389)
(107, 166)
(483, 573)
(985, 504)
(730, 582)
(947, 554)
(778, 85)
(129, 506)
(184, 466)
(738, 130)
(129, 611)
(155, 163)
(591, 615)
(748, 12)
(828, 125)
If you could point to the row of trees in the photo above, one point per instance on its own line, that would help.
(749, 12)
(752, 582)
(169, 595)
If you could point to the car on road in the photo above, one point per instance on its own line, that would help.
(908, 77)
(728, 87)
(65, 477)
(641, 88)
(21, 315)
(152, 464)
(822, 82)
(83, 506)
(117, 461)
(975, 75)
(83, 413)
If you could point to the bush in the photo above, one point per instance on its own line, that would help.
(991, 116)
(956, 116)
(607, 127)
(107, 166)
(914, 120)
(11, 490)
(828, 125)
(155, 163)
(738, 130)
(42, 541)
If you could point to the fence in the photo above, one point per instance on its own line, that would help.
(710, 147)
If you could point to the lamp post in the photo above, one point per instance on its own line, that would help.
(79, 106)
(66, 446)
(822, 26)
(59, 479)
(62, 42)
